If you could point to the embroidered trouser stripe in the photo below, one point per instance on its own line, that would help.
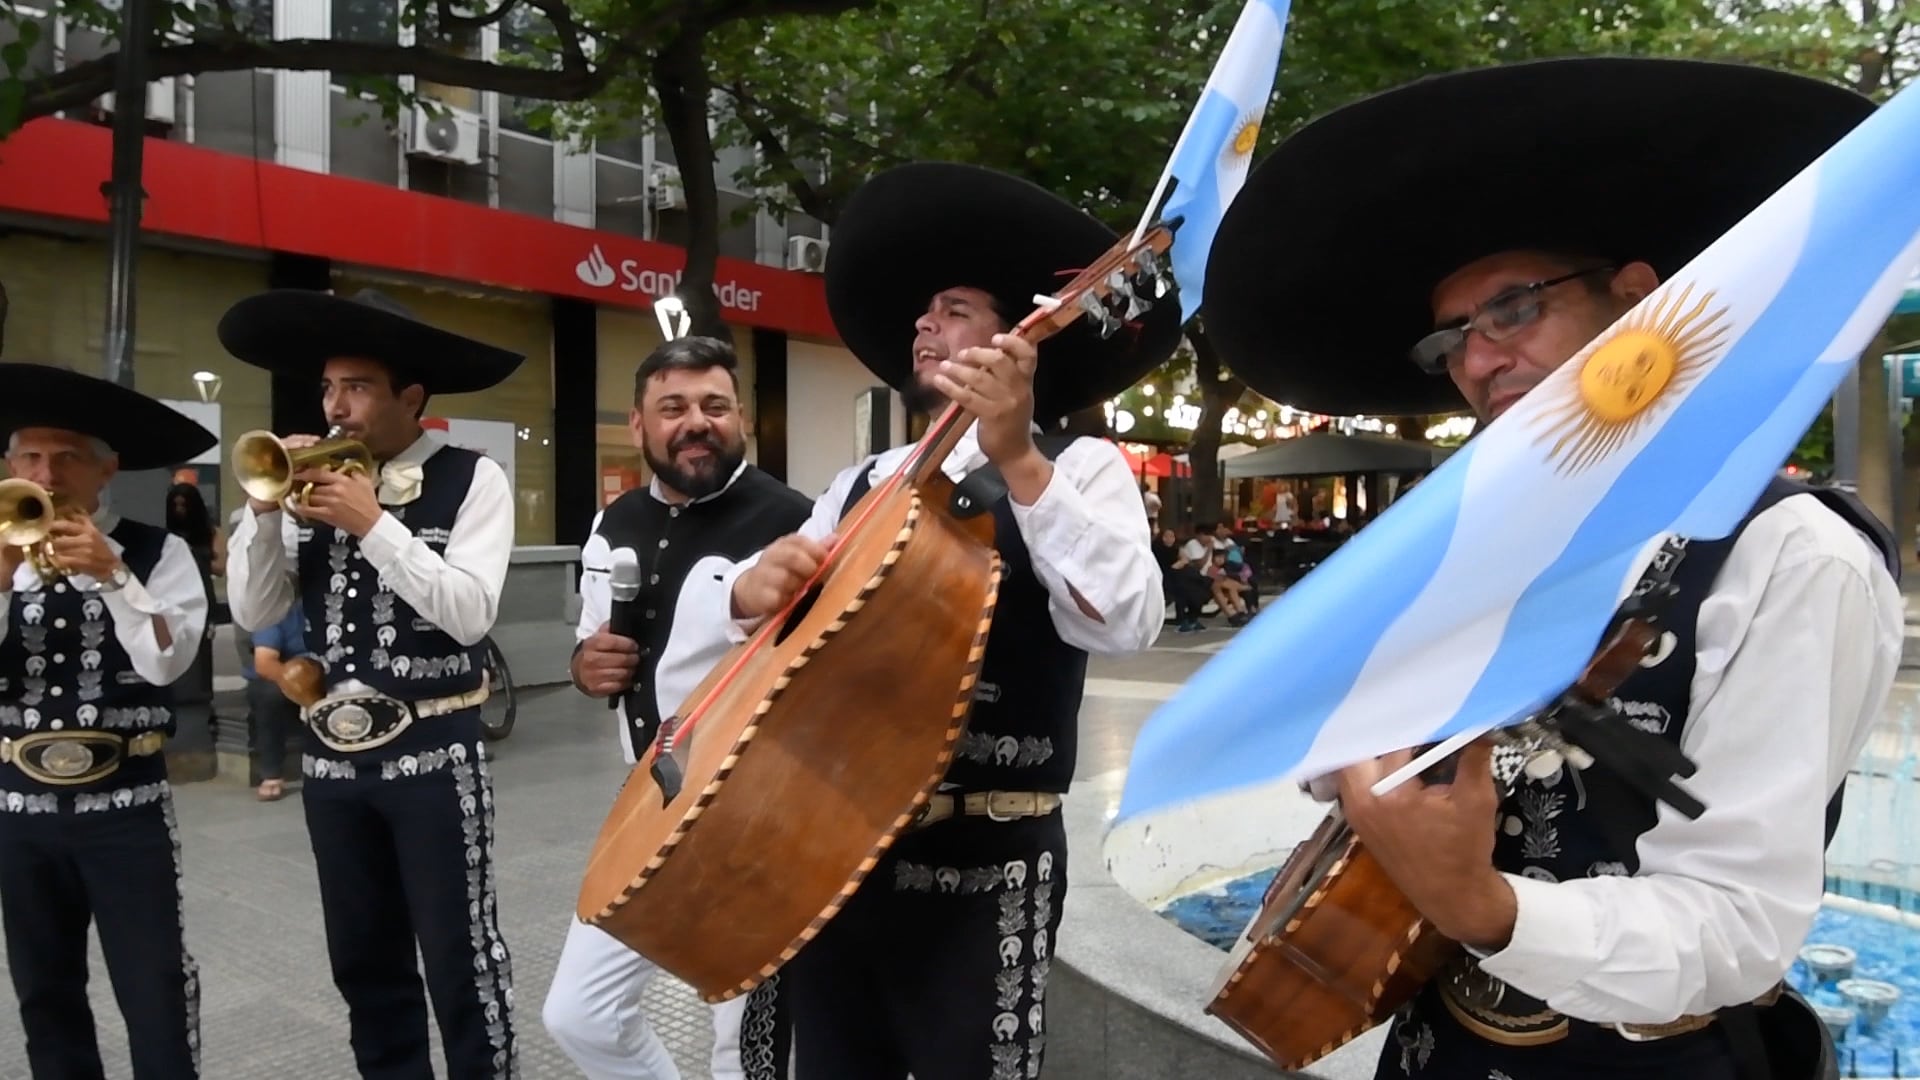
(938, 965)
(410, 860)
(120, 870)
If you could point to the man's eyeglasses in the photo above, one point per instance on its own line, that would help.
(1498, 319)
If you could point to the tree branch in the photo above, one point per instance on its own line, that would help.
(83, 82)
(811, 200)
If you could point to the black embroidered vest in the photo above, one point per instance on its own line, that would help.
(359, 626)
(754, 511)
(1022, 733)
(1588, 823)
(62, 668)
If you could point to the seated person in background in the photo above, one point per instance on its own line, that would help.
(1229, 574)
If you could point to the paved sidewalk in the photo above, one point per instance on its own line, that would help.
(269, 1010)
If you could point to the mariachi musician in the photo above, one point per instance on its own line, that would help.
(1602, 935)
(100, 615)
(399, 574)
(937, 966)
(705, 508)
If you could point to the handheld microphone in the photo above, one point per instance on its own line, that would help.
(625, 620)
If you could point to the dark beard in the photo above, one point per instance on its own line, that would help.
(921, 399)
(703, 478)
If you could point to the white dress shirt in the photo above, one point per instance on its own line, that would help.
(172, 591)
(459, 593)
(1797, 646)
(1085, 534)
(692, 648)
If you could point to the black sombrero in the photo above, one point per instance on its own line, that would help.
(914, 230)
(1320, 279)
(296, 331)
(145, 433)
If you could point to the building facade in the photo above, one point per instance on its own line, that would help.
(266, 179)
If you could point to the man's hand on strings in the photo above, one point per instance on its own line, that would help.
(1436, 842)
(784, 568)
(995, 384)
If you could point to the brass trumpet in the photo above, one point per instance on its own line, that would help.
(265, 466)
(27, 514)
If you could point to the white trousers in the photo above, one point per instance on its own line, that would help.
(593, 1012)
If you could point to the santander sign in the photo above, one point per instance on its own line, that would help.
(627, 276)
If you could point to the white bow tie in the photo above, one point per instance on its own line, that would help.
(399, 483)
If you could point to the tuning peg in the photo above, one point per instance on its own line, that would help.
(1103, 320)
(1152, 275)
(1123, 289)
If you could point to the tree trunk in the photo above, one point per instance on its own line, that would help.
(1217, 395)
(680, 79)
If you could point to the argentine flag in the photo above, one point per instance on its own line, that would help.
(1480, 596)
(1210, 161)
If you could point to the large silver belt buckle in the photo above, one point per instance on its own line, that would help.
(351, 723)
(55, 758)
(66, 759)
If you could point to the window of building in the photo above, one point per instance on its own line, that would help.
(526, 37)
(366, 20)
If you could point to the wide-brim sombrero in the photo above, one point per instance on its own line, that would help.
(146, 434)
(917, 229)
(1320, 279)
(296, 331)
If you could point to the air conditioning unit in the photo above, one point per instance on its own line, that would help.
(452, 135)
(806, 253)
(668, 192)
(160, 96)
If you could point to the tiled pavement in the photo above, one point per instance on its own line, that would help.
(269, 1010)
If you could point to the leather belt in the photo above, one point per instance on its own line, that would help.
(997, 805)
(1491, 1009)
(351, 723)
(73, 758)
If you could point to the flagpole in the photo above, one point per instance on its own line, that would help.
(1166, 174)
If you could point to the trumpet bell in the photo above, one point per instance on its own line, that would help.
(265, 466)
(27, 512)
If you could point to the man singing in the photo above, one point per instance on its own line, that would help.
(95, 623)
(932, 266)
(705, 509)
(399, 577)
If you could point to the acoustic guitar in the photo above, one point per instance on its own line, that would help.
(793, 766)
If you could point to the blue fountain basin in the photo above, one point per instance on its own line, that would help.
(1883, 933)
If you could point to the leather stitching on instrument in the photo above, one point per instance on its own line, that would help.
(975, 655)
(1293, 925)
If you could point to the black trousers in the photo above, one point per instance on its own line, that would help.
(404, 849)
(1189, 590)
(117, 868)
(1428, 1044)
(938, 964)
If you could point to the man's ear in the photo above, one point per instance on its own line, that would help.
(1635, 282)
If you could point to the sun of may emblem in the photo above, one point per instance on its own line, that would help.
(1246, 137)
(1662, 347)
